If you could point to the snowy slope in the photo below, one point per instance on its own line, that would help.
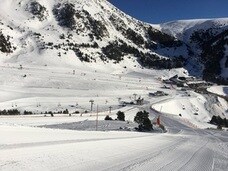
(68, 33)
(77, 29)
(221, 90)
(183, 29)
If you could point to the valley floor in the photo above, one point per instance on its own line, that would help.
(30, 143)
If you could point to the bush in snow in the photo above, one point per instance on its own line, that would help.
(108, 118)
(217, 120)
(27, 112)
(10, 112)
(51, 113)
(76, 112)
(66, 111)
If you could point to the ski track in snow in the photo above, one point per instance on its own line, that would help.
(187, 149)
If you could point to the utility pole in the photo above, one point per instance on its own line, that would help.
(97, 119)
(110, 109)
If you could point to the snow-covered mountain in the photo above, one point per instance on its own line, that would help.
(65, 32)
(208, 40)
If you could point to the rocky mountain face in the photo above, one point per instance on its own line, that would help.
(94, 31)
(213, 54)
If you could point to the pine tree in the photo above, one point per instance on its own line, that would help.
(142, 118)
(120, 116)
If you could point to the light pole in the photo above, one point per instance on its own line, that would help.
(91, 101)
(97, 119)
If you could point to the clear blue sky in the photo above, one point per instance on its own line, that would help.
(159, 11)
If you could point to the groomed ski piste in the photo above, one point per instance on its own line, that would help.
(36, 142)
